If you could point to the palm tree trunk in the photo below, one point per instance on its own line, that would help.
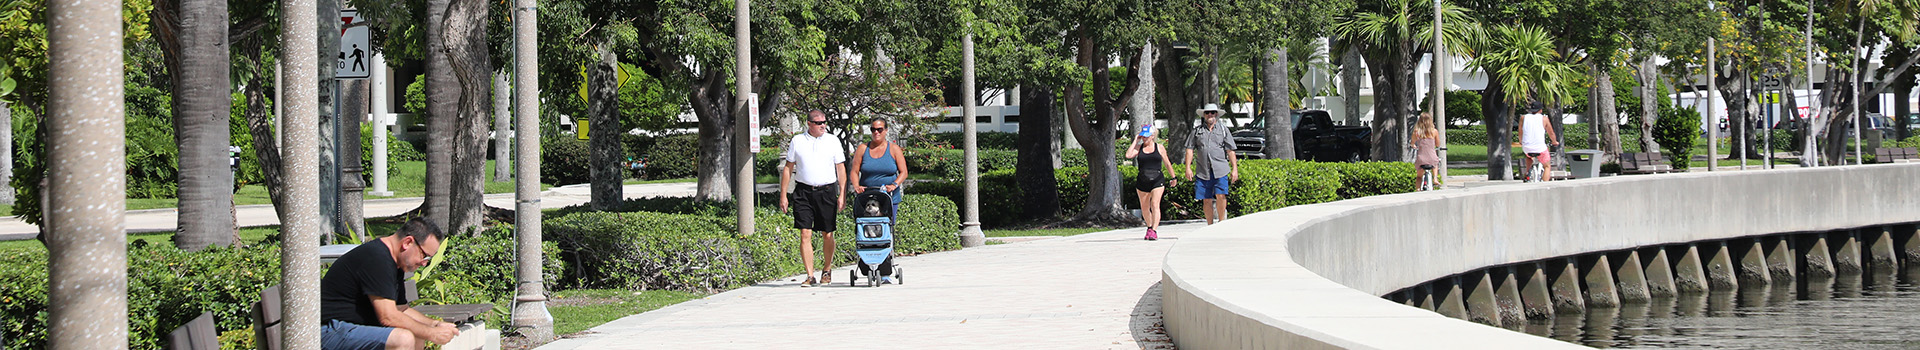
(201, 106)
(6, 153)
(1494, 111)
(1279, 111)
(1609, 117)
(466, 36)
(1140, 110)
(604, 131)
(442, 95)
(1351, 72)
(353, 103)
(1175, 98)
(1649, 104)
(1902, 109)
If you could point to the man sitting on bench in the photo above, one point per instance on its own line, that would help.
(362, 301)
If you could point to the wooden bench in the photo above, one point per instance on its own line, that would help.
(199, 334)
(1884, 155)
(474, 335)
(1644, 163)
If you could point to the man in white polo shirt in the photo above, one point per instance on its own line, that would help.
(818, 157)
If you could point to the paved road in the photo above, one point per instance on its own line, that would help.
(159, 220)
(1092, 291)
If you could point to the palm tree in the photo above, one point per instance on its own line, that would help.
(193, 37)
(1521, 66)
(1391, 36)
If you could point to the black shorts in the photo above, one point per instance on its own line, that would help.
(815, 207)
(1148, 182)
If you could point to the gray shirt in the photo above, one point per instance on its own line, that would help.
(1211, 148)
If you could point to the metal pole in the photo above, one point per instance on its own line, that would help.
(1811, 157)
(743, 190)
(300, 237)
(1858, 116)
(1766, 142)
(380, 121)
(1442, 73)
(530, 304)
(85, 223)
(970, 235)
(1713, 132)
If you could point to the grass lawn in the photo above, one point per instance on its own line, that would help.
(410, 182)
(581, 309)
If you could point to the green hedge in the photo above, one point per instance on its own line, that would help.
(674, 157)
(563, 161)
(951, 163)
(986, 140)
(1264, 185)
(166, 287)
(694, 245)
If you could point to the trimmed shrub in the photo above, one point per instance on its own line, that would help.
(1677, 131)
(987, 140)
(482, 269)
(674, 157)
(951, 163)
(1264, 185)
(563, 161)
(695, 245)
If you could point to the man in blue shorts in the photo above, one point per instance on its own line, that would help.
(1213, 146)
(363, 302)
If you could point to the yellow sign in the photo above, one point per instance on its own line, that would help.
(1770, 97)
(582, 125)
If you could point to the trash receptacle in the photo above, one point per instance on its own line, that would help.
(1585, 163)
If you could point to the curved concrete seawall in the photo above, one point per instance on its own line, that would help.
(1312, 277)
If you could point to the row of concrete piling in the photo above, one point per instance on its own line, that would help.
(1537, 290)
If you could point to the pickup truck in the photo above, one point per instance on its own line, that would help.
(1315, 138)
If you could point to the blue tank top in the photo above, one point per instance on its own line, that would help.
(880, 171)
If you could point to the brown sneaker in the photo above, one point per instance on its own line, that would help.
(826, 278)
(809, 282)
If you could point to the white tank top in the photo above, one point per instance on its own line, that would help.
(1533, 133)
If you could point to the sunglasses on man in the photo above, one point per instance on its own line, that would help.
(817, 122)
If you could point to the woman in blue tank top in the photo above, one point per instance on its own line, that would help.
(879, 163)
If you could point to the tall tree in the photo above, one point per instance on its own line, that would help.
(467, 54)
(1522, 61)
(193, 38)
(1392, 35)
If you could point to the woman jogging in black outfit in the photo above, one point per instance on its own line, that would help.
(1152, 182)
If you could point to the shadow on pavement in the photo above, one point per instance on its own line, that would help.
(1146, 326)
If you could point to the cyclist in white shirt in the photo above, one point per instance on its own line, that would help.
(1535, 133)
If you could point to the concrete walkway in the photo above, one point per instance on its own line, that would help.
(1092, 291)
(161, 220)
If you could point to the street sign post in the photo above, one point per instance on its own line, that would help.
(355, 55)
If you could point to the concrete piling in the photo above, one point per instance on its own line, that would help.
(1880, 249)
(1597, 272)
(1536, 297)
(1846, 252)
(1905, 241)
(1482, 306)
(1720, 268)
(1780, 259)
(1816, 259)
(1507, 295)
(1422, 297)
(1565, 290)
(1631, 277)
(1452, 303)
(1752, 269)
(1659, 272)
(1689, 275)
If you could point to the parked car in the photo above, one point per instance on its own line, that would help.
(1315, 137)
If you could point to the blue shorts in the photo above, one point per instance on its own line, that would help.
(1204, 189)
(341, 335)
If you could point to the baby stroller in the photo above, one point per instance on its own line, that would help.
(873, 238)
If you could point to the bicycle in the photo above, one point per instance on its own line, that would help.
(1534, 173)
(1428, 181)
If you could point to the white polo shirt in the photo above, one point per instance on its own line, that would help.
(815, 158)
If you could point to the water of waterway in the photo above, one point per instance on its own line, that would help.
(1876, 310)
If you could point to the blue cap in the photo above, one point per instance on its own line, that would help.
(1146, 130)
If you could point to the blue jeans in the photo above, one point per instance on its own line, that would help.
(341, 335)
(1204, 189)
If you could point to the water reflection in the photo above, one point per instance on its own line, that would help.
(1873, 310)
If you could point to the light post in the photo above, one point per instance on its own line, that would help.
(530, 304)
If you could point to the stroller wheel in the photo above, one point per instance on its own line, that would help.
(853, 275)
(873, 281)
(896, 275)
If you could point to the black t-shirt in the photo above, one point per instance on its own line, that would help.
(366, 270)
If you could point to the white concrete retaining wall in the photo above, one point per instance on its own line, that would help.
(1311, 277)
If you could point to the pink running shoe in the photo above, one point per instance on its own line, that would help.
(1153, 235)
